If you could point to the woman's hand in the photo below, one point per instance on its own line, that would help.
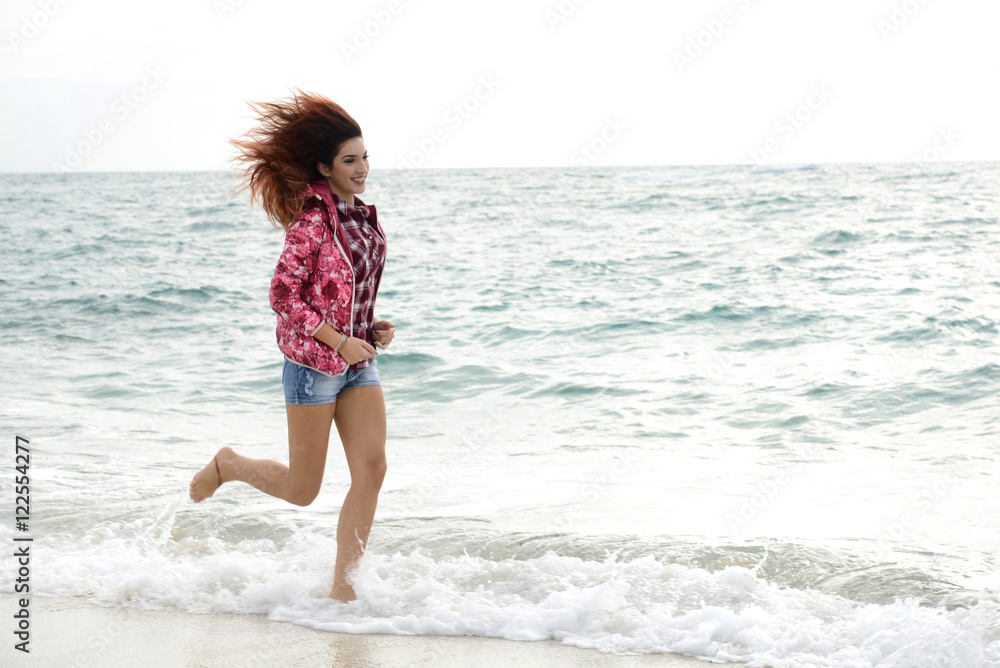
(355, 350)
(382, 333)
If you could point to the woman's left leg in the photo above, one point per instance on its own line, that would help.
(360, 420)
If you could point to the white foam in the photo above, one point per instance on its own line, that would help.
(640, 605)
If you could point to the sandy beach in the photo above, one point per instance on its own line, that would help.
(69, 632)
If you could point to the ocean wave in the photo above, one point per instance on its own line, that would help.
(613, 596)
(670, 176)
(764, 169)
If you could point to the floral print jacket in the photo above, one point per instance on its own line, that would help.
(314, 283)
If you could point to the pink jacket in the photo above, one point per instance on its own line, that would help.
(314, 283)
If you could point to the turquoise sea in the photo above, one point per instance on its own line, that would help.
(742, 414)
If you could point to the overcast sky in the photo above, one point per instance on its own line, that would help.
(115, 85)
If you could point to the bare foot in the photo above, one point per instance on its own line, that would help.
(207, 480)
(343, 592)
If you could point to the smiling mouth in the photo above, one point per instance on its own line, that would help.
(360, 181)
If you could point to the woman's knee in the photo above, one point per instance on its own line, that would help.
(377, 469)
(303, 495)
(371, 472)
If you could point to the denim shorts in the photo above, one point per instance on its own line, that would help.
(308, 387)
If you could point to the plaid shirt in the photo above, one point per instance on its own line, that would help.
(367, 248)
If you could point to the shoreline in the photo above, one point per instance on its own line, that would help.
(78, 633)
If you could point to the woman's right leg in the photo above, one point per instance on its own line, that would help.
(299, 482)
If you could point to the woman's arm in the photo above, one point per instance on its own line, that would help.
(296, 264)
(352, 349)
(382, 332)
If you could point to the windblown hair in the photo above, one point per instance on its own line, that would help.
(278, 158)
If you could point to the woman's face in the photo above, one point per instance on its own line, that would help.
(348, 171)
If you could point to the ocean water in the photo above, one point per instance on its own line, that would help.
(741, 414)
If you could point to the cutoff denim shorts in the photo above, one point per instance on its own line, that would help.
(308, 387)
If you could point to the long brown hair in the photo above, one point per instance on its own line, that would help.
(278, 158)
